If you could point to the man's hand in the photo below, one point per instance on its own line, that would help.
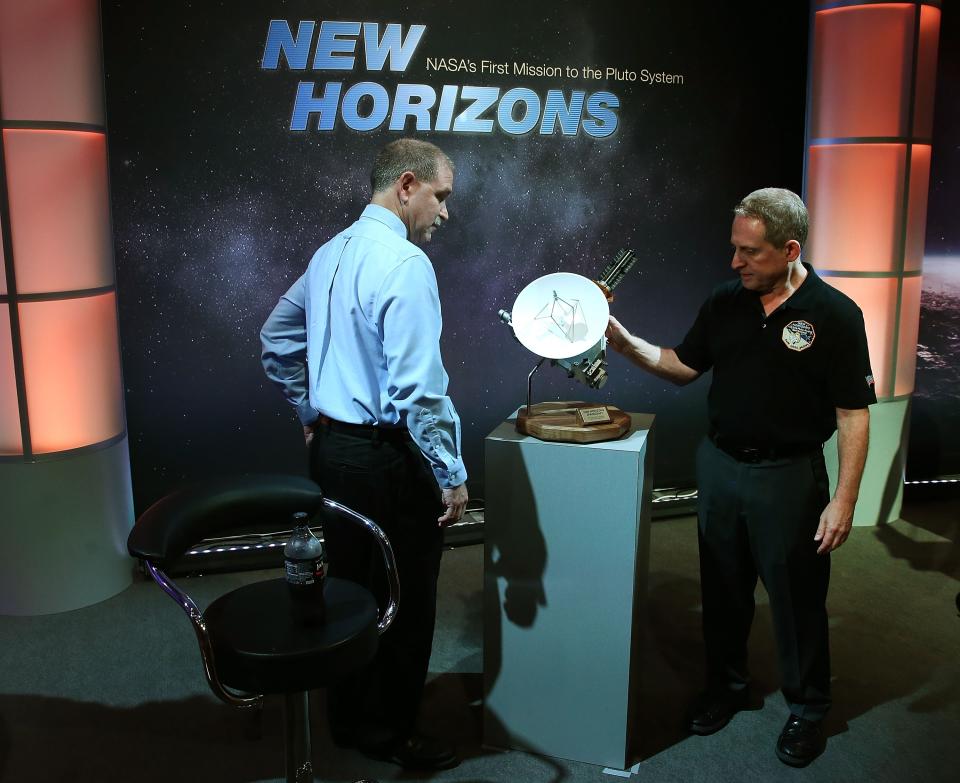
(455, 501)
(618, 337)
(835, 523)
(308, 430)
(662, 362)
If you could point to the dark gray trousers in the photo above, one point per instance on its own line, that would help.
(388, 482)
(759, 519)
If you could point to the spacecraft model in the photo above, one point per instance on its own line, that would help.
(563, 317)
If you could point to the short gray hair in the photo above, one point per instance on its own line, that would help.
(420, 157)
(782, 211)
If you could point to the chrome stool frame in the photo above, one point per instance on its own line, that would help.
(152, 548)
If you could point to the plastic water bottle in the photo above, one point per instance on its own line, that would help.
(304, 561)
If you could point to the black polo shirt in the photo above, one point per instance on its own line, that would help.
(778, 379)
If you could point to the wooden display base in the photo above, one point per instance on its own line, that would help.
(560, 422)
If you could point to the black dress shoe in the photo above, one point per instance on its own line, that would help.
(801, 741)
(713, 710)
(414, 752)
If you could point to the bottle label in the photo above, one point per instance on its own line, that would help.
(304, 572)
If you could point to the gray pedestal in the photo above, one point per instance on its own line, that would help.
(567, 541)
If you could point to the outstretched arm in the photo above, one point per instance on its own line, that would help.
(662, 362)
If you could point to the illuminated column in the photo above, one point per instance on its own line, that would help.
(870, 113)
(65, 500)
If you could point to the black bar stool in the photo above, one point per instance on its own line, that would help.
(249, 642)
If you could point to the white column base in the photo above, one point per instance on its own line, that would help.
(64, 531)
(881, 491)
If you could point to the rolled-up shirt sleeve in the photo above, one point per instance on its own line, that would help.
(283, 340)
(409, 320)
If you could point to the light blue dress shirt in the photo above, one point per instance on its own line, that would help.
(357, 338)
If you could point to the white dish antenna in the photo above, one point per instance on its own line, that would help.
(560, 315)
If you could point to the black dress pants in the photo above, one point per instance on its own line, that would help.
(760, 519)
(388, 481)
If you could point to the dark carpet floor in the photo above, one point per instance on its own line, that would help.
(115, 692)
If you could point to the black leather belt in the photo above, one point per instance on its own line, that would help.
(753, 454)
(374, 432)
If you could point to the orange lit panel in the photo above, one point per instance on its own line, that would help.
(926, 72)
(877, 298)
(50, 64)
(861, 71)
(3, 265)
(59, 210)
(71, 358)
(917, 208)
(10, 442)
(909, 329)
(855, 199)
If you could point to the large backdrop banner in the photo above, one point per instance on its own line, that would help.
(241, 139)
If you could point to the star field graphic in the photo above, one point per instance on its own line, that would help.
(218, 206)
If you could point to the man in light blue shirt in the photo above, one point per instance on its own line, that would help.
(354, 347)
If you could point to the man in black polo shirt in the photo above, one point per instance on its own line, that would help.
(790, 366)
